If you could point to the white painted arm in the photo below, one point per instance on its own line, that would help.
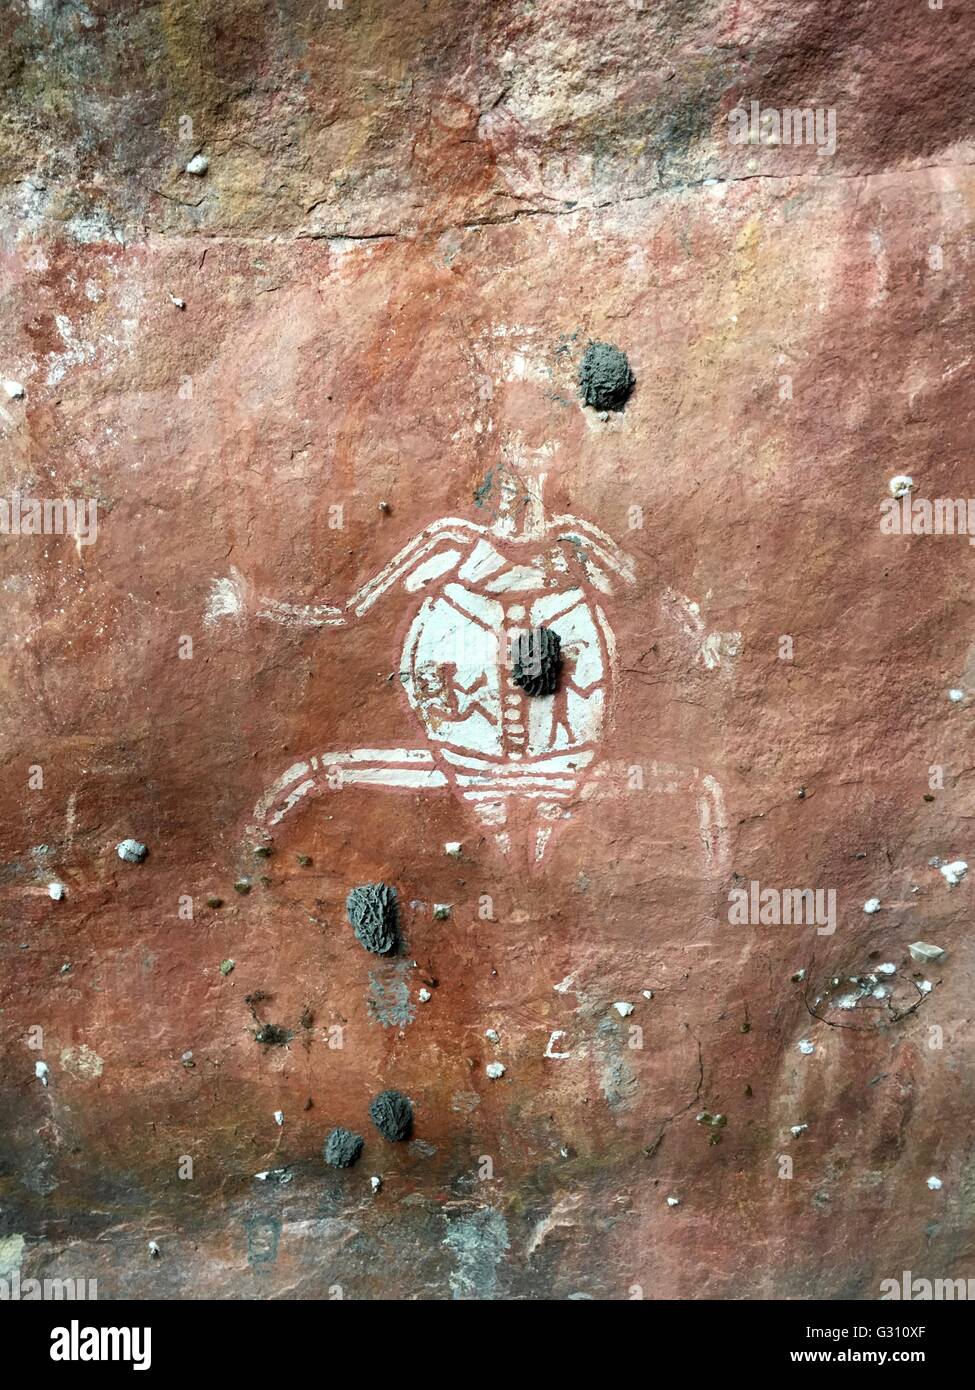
(301, 614)
(448, 528)
(406, 560)
(601, 545)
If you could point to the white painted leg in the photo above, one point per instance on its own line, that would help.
(410, 769)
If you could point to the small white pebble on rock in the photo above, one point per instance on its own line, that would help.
(925, 951)
(900, 484)
(175, 300)
(56, 891)
(154, 1251)
(453, 848)
(647, 993)
(425, 996)
(880, 992)
(924, 986)
(492, 1035)
(375, 1183)
(441, 911)
(806, 1047)
(14, 390)
(41, 1070)
(673, 1201)
(872, 905)
(796, 1130)
(624, 1010)
(495, 1070)
(198, 165)
(279, 1117)
(956, 696)
(131, 851)
(888, 968)
(934, 1184)
(954, 872)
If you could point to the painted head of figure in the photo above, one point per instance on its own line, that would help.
(514, 492)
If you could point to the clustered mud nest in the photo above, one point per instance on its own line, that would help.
(371, 909)
(537, 661)
(605, 377)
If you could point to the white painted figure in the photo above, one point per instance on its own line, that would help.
(482, 587)
(478, 588)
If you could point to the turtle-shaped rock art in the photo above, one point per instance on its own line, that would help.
(507, 663)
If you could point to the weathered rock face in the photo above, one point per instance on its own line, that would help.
(325, 394)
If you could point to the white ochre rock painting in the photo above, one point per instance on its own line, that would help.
(478, 588)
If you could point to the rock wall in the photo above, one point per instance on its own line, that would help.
(315, 406)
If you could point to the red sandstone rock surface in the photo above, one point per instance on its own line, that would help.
(413, 220)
